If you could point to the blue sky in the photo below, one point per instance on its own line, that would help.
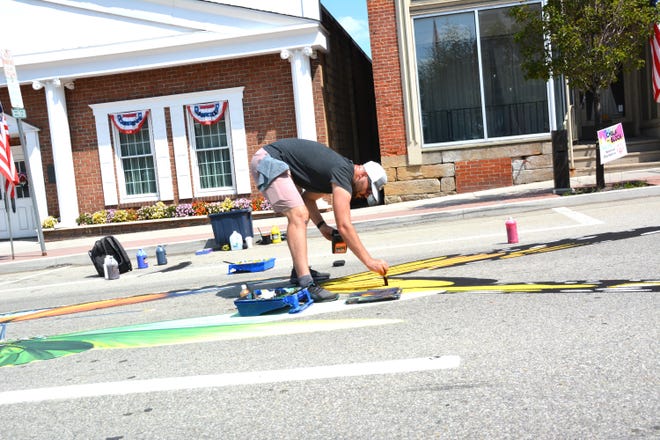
(352, 14)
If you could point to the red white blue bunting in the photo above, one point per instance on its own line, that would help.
(129, 122)
(208, 113)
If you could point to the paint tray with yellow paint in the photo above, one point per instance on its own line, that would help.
(374, 295)
(296, 302)
(251, 266)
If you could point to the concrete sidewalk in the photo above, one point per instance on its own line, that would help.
(500, 201)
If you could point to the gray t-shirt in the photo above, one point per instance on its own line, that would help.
(313, 166)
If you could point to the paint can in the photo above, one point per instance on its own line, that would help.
(265, 237)
(511, 230)
(142, 259)
(110, 268)
(276, 236)
(161, 255)
(236, 241)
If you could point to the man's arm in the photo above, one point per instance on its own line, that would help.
(341, 206)
(310, 199)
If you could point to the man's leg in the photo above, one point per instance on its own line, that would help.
(296, 238)
(285, 198)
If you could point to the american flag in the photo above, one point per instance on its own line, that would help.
(7, 166)
(655, 52)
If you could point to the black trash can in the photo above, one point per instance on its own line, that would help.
(560, 167)
(224, 223)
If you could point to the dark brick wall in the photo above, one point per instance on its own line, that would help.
(477, 175)
(387, 77)
(349, 96)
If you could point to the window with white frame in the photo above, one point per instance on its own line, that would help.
(134, 150)
(210, 143)
(164, 152)
(471, 84)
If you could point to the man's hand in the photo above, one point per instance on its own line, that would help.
(379, 266)
(327, 231)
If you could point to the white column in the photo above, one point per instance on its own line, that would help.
(162, 153)
(181, 157)
(60, 139)
(303, 95)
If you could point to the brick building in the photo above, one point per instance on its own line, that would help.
(455, 113)
(168, 101)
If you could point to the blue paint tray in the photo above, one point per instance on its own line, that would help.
(251, 266)
(296, 302)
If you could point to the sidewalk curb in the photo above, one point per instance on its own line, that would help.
(513, 207)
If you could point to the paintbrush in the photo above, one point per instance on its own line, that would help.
(385, 280)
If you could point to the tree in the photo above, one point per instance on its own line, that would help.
(589, 42)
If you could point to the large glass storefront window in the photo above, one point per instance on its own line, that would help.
(471, 83)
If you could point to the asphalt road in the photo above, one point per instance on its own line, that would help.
(553, 337)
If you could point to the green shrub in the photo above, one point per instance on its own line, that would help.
(84, 219)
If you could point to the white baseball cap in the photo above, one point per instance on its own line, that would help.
(377, 178)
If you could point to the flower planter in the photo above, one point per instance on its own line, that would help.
(224, 223)
(67, 233)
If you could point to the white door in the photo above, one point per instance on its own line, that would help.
(22, 221)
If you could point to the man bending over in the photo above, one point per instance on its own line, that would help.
(293, 174)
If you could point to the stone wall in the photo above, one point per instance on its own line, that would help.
(465, 170)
